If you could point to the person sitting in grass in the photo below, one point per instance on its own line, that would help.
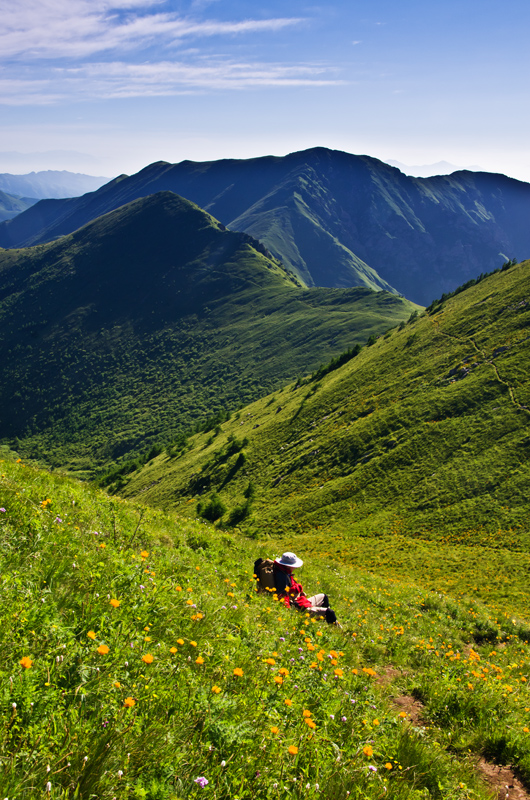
(292, 593)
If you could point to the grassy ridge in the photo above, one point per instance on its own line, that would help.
(412, 456)
(137, 658)
(112, 340)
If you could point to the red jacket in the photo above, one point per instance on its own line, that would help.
(289, 591)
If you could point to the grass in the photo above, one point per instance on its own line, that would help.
(136, 658)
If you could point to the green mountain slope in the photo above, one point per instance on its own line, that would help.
(336, 219)
(150, 318)
(408, 454)
(137, 658)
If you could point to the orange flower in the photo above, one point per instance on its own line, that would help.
(402, 714)
(189, 602)
(114, 603)
(178, 588)
(368, 751)
(309, 722)
(388, 765)
(288, 702)
(25, 662)
(238, 672)
(129, 702)
(216, 689)
(144, 554)
(338, 672)
(103, 649)
(148, 658)
(283, 671)
(193, 644)
(173, 650)
(199, 660)
(278, 680)
(117, 685)
(180, 641)
(293, 750)
(270, 661)
(91, 634)
(274, 729)
(306, 712)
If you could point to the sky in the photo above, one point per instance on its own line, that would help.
(106, 87)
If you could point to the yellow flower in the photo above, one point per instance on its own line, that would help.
(199, 660)
(114, 603)
(402, 714)
(117, 685)
(368, 751)
(193, 644)
(129, 702)
(178, 588)
(388, 765)
(91, 634)
(103, 545)
(103, 649)
(216, 689)
(288, 702)
(189, 602)
(375, 722)
(180, 641)
(526, 730)
(270, 661)
(238, 672)
(189, 589)
(173, 650)
(25, 662)
(293, 750)
(148, 658)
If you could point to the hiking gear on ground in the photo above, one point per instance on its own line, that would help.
(263, 570)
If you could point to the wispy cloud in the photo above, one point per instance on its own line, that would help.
(121, 79)
(79, 28)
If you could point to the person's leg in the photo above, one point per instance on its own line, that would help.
(319, 600)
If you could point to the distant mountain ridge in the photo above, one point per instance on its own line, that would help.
(334, 218)
(150, 318)
(50, 184)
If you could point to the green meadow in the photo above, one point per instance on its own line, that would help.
(138, 661)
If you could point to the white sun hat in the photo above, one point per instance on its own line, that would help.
(289, 560)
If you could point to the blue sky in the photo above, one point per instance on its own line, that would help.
(108, 86)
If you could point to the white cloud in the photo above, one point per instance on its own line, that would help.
(119, 79)
(80, 28)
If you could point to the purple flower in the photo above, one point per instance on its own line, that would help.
(282, 638)
(344, 719)
(58, 519)
(374, 769)
(3, 510)
(201, 781)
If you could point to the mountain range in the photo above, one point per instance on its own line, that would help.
(152, 317)
(12, 205)
(50, 184)
(334, 219)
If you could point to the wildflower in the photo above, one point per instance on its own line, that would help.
(173, 650)
(339, 673)
(201, 781)
(526, 730)
(26, 662)
(199, 660)
(238, 672)
(129, 702)
(2, 510)
(293, 750)
(117, 684)
(344, 719)
(270, 661)
(103, 649)
(114, 603)
(223, 763)
(216, 689)
(288, 702)
(193, 644)
(49, 787)
(189, 602)
(371, 767)
(283, 671)
(180, 641)
(306, 712)
(375, 722)
(402, 714)
(102, 545)
(368, 751)
(144, 554)
(274, 729)
(310, 723)
(148, 658)
(388, 765)
(178, 588)
(278, 680)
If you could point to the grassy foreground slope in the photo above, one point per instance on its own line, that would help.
(137, 661)
(150, 318)
(412, 457)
